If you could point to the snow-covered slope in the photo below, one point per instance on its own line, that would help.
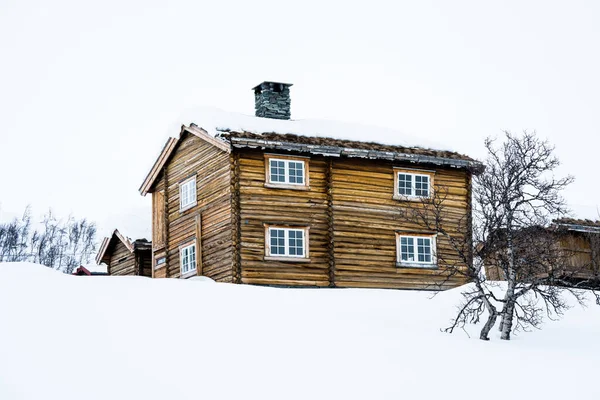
(68, 337)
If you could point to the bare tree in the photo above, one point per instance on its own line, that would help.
(14, 236)
(514, 200)
(58, 244)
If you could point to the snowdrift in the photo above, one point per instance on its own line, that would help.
(75, 337)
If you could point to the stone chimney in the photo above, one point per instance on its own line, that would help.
(272, 100)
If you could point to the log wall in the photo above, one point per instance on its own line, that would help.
(366, 219)
(208, 222)
(260, 205)
(122, 261)
(353, 221)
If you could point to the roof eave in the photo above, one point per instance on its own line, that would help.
(170, 146)
(106, 242)
(335, 151)
(579, 228)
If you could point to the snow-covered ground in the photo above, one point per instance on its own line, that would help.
(73, 337)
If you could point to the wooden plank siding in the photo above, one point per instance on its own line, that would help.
(210, 217)
(353, 221)
(144, 262)
(122, 261)
(158, 219)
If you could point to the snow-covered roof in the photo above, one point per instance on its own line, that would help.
(131, 246)
(579, 225)
(95, 268)
(329, 138)
(215, 121)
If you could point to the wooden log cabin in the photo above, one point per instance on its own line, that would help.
(124, 257)
(577, 248)
(262, 206)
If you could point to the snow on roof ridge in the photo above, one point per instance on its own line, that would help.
(215, 121)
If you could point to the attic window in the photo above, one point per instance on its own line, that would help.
(286, 172)
(187, 194)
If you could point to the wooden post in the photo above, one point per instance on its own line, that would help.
(235, 218)
(469, 227)
(200, 270)
(330, 225)
(166, 217)
(138, 263)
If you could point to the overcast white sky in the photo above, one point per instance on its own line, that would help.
(89, 91)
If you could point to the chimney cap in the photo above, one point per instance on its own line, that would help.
(265, 83)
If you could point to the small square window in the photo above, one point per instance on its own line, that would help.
(416, 251)
(286, 242)
(286, 172)
(412, 185)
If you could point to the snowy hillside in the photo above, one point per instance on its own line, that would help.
(66, 337)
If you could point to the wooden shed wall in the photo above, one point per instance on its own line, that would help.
(578, 251)
(210, 218)
(122, 261)
(145, 262)
(579, 259)
(365, 221)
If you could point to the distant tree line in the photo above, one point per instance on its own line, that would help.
(60, 244)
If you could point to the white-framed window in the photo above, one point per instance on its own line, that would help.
(410, 184)
(286, 171)
(187, 259)
(286, 242)
(289, 172)
(187, 193)
(416, 250)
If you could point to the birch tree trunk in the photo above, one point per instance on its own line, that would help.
(485, 331)
(511, 279)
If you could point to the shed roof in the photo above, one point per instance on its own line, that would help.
(580, 225)
(141, 244)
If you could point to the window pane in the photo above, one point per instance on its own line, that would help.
(424, 250)
(192, 258)
(421, 185)
(277, 171)
(296, 172)
(277, 241)
(407, 249)
(184, 261)
(296, 242)
(405, 184)
(183, 195)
